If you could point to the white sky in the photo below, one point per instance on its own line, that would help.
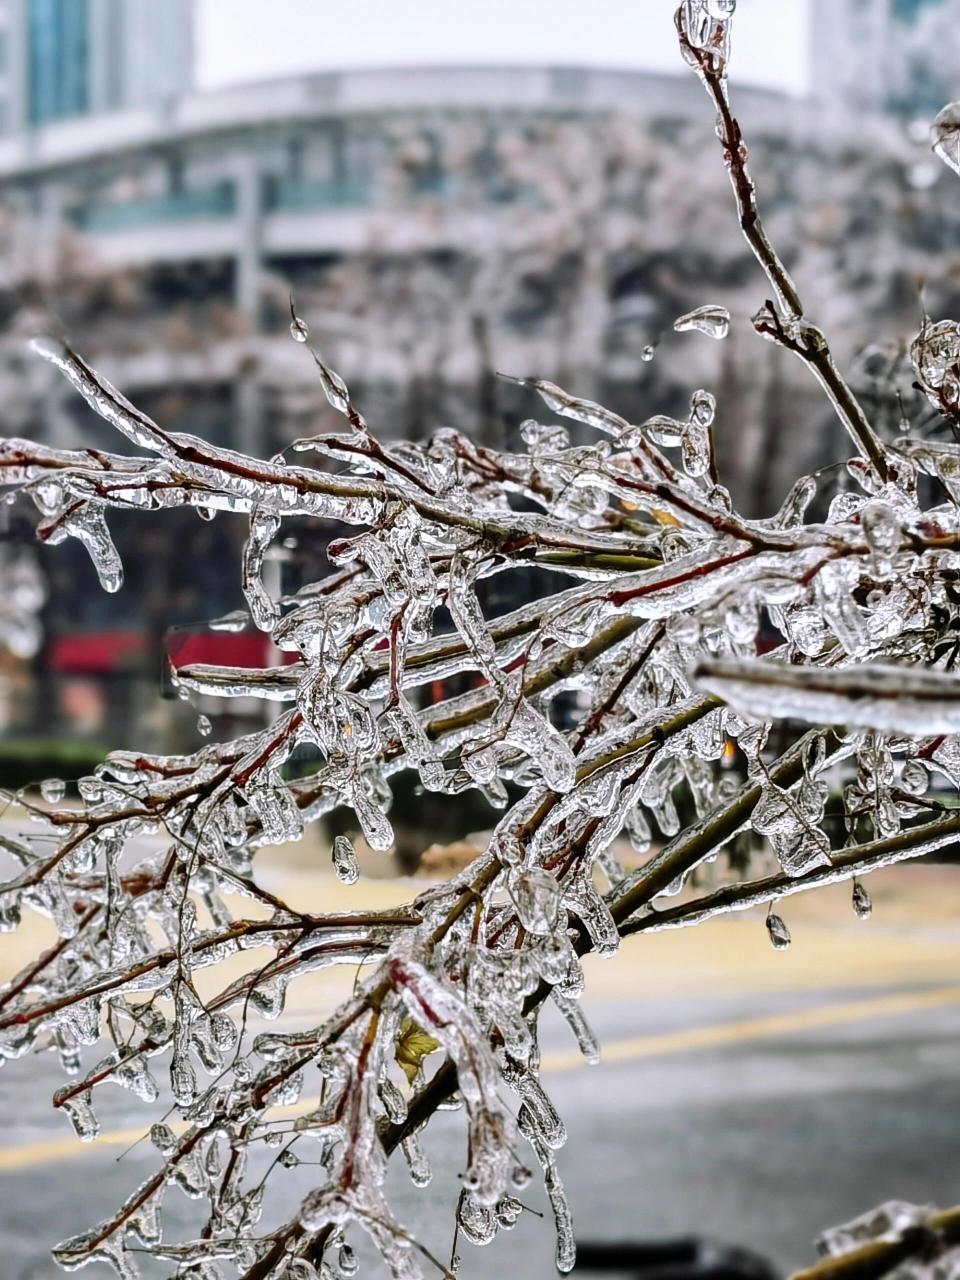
(255, 39)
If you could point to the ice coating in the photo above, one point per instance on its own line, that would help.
(622, 713)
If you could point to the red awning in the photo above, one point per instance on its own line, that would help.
(94, 652)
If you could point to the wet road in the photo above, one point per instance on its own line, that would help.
(740, 1098)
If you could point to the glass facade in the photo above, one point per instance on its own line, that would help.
(907, 10)
(58, 53)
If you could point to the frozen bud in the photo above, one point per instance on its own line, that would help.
(162, 1137)
(300, 1268)
(541, 438)
(883, 534)
(695, 450)
(204, 727)
(506, 848)
(345, 861)
(778, 931)
(711, 319)
(705, 23)
(478, 1222)
(536, 896)
(321, 1207)
(914, 777)
(935, 353)
(508, 1211)
(298, 330)
(887, 1222)
(52, 789)
(703, 407)
(945, 136)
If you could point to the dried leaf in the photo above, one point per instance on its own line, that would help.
(413, 1045)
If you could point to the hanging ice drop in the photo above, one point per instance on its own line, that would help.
(778, 931)
(298, 328)
(711, 319)
(52, 789)
(345, 861)
(862, 903)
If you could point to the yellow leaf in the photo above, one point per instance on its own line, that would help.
(664, 517)
(413, 1045)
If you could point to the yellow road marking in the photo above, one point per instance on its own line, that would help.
(627, 1050)
(722, 1033)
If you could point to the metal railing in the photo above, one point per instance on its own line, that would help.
(292, 195)
(128, 215)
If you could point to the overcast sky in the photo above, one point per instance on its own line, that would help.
(252, 39)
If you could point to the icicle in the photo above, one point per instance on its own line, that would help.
(88, 525)
(586, 1040)
(82, 1117)
(264, 526)
(566, 1249)
(417, 1162)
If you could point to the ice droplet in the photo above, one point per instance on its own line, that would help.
(298, 330)
(52, 789)
(945, 136)
(711, 319)
(778, 931)
(536, 896)
(204, 727)
(647, 354)
(345, 860)
(862, 902)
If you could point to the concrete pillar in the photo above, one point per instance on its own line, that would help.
(247, 285)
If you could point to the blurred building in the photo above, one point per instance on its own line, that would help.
(435, 226)
(60, 59)
(897, 56)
